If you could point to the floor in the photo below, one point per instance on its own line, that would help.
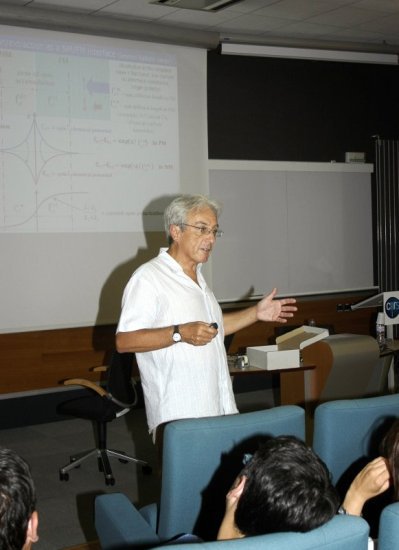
(66, 507)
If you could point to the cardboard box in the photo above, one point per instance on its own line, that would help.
(286, 354)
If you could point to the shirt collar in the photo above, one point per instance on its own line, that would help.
(163, 252)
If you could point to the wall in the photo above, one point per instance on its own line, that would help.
(284, 109)
(294, 225)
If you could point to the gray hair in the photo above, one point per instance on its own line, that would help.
(176, 212)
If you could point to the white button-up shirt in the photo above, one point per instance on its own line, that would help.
(182, 380)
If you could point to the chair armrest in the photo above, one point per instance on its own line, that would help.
(388, 532)
(87, 384)
(120, 525)
(150, 514)
(101, 368)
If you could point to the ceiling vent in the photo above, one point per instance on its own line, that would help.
(200, 5)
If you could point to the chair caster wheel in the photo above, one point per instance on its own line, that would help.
(147, 470)
(64, 477)
(110, 481)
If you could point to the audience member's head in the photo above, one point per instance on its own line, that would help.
(18, 516)
(287, 488)
(390, 450)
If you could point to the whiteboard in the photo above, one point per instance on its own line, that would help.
(305, 228)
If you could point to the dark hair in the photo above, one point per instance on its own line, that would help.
(17, 499)
(389, 448)
(288, 488)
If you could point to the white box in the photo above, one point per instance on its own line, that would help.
(286, 353)
(270, 358)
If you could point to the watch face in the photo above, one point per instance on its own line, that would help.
(176, 335)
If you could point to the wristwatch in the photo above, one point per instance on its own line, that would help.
(176, 334)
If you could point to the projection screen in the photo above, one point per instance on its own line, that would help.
(96, 135)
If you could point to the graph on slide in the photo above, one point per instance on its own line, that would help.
(34, 153)
(87, 137)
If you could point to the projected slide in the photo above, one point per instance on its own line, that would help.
(88, 135)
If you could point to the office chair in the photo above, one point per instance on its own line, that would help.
(103, 405)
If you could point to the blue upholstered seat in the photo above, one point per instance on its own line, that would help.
(201, 458)
(348, 430)
(120, 526)
(347, 435)
(388, 533)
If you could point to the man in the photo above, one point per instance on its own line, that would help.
(284, 487)
(172, 321)
(18, 515)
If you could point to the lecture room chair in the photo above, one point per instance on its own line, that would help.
(388, 531)
(201, 458)
(120, 526)
(347, 435)
(348, 430)
(103, 405)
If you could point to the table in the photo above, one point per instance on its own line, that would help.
(292, 381)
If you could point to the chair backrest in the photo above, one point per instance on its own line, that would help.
(348, 431)
(119, 378)
(340, 533)
(201, 458)
(347, 435)
(388, 532)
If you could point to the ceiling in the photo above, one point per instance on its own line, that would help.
(363, 25)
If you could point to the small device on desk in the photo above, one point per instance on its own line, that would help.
(237, 361)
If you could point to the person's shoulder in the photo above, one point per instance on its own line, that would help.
(149, 265)
(152, 269)
(160, 262)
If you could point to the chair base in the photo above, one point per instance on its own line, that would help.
(103, 463)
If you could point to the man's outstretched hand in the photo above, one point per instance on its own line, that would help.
(278, 311)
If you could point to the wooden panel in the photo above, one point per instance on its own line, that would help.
(40, 360)
(318, 354)
(292, 387)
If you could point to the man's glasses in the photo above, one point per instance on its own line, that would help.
(203, 230)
